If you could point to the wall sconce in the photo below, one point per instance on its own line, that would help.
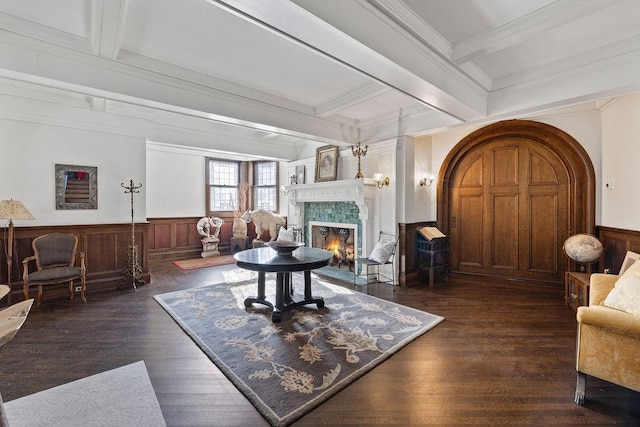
(426, 181)
(377, 177)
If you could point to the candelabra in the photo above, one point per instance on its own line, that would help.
(359, 152)
(133, 271)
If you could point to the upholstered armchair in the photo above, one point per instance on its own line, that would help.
(55, 257)
(608, 344)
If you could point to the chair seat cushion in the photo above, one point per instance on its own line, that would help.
(55, 274)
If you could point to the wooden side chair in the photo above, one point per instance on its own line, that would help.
(55, 256)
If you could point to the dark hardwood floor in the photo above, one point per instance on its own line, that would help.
(504, 355)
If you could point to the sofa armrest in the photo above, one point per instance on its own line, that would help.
(599, 287)
(610, 319)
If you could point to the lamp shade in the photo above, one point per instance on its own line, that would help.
(14, 209)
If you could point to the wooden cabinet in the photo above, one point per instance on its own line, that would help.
(576, 289)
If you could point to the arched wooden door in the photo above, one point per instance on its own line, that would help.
(514, 191)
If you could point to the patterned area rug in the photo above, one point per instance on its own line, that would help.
(192, 264)
(286, 369)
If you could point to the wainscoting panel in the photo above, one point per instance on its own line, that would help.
(408, 266)
(105, 247)
(616, 243)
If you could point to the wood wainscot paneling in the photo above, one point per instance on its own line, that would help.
(409, 274)
(178, 238)
(106, 255)
(616, 243)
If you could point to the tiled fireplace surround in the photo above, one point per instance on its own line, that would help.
(335, 203)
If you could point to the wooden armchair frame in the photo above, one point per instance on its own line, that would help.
(55, 256)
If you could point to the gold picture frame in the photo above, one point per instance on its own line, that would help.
(326, 163)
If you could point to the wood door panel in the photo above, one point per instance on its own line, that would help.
(541, 170)
(505, 232)
(506, 199)
(543, 232)
(554, 179)
(468, 235)
(505, 166)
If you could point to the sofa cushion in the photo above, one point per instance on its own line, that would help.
(625, 295)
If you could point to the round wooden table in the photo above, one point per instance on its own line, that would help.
(266, 259)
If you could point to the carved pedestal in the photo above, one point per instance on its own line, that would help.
(210, 247)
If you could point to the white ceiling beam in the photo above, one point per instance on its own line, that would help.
(107, 23)
(291, 21)
(405, 17)
(553, 15)
(346, 100)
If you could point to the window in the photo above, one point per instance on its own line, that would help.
(265, 186)
(223, 181)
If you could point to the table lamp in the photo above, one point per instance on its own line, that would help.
(12, 209)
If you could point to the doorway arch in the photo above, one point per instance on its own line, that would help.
(500, 164)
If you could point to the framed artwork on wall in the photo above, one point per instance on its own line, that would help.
(326, 163)
(76, 187)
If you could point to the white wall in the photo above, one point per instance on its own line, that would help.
(621, 163)
(176, 183)
(173, 182)
(30, 152)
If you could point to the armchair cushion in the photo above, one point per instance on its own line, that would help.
(625, 295)
(54, 273)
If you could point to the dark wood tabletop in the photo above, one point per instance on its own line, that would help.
(266, 259)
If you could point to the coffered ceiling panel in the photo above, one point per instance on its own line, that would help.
(284, 77)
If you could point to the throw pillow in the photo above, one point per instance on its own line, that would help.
(625, 295)
(284, 234)
(382, 251)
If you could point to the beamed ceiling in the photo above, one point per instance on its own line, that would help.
(279, 78)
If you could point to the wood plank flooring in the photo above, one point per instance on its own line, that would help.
(504, 355)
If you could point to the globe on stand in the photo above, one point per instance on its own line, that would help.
(585, 249)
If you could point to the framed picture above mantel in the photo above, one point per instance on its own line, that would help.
(326, 163)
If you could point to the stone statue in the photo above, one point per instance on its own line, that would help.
(209, 229)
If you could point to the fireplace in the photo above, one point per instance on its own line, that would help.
(339, 238)
(340, 204)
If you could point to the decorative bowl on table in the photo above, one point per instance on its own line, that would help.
(284, 247)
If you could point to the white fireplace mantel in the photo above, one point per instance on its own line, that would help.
(362, 192)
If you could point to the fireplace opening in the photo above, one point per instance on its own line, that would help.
(338, 239)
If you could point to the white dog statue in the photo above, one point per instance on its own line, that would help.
(265, 221)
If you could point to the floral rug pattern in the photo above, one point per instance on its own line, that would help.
(286, 369)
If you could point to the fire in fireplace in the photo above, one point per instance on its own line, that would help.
(337, 239)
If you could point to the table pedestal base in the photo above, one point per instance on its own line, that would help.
(284, 294)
